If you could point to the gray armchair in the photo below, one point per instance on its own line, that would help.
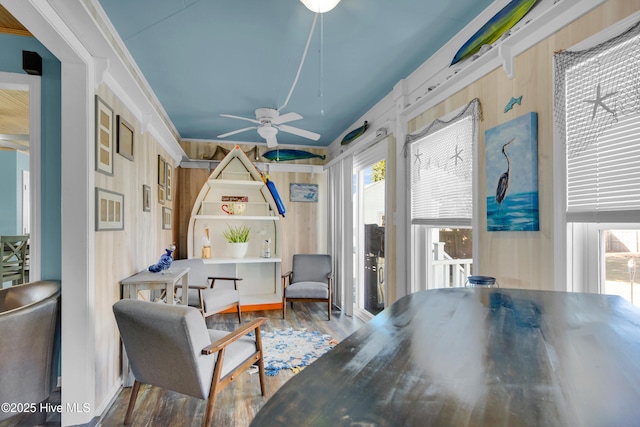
(310, 280)
(203, 292)
(169, 346)
(29, 343)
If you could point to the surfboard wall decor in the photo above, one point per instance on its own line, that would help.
(495, 27)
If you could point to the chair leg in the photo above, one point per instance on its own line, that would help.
(239, 314)
(132, 402)
(211, 402)
(261, 371)
(213, 391)
(284, 308)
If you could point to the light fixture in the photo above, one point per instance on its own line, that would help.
(320, 6)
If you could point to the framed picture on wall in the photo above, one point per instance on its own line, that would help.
(303, 193)
(511, 152)
(161, 195)
(125, 138)
(104, 137)
(162, 179)
(166, 218)
(162, 171)
(169, 182)
(146, 198)
(109, 210)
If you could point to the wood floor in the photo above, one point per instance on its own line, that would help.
(241, 400)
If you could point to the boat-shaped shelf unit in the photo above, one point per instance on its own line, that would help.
(237, 181)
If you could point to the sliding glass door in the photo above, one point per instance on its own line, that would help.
(369, 188)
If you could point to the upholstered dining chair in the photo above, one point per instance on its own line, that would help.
(310, 280)
(13, 252)
(169, 346)
(203, 293)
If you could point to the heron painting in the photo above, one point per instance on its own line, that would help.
(512, 175)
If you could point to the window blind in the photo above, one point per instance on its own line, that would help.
(602, 132)
(441, 170)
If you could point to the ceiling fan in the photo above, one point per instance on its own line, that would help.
(269, 122)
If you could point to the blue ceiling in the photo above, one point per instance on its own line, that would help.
(204, 58)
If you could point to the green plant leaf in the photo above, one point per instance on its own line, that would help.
(239, 234)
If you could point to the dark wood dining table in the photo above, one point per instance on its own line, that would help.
(475, 357)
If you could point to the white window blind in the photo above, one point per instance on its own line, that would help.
(441, 170)
(603, 134)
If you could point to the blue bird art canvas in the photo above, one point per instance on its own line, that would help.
(511, 151)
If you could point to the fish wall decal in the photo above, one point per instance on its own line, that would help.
(512, 102)
(355, 133)
(279, 155)
(495, 27)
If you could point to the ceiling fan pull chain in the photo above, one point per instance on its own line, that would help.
(321, 89)
(304, 54)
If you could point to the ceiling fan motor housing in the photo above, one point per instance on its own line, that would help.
(266, 115)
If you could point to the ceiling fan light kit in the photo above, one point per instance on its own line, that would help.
(320, 6)
(269, 134)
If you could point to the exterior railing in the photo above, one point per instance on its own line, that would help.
(449, 272)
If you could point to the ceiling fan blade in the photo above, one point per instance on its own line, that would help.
(224, 135)
(272, 141)
(239, 118)
(300, 132)
(289, 117)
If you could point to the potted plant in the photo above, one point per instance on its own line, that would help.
(238, 238)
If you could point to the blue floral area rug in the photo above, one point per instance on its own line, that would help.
(293, 349)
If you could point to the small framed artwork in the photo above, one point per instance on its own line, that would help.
(125, 138)
(243, 199)
(162, 179)
(104, 137)
(166, 218)
(161, 195)
(146, 198)
(169, 182)
(109, 210)
(162, 171)
(303, 193)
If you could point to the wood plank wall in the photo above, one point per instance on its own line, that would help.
(119, 254)
(525, 259)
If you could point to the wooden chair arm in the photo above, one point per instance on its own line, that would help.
(224, 278)
(234, 279)
(215, 347)
(286, 278)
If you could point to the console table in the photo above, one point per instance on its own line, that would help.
(164, 280)
(476, 357)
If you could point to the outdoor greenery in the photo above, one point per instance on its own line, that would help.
(239, 234)
(378, 171)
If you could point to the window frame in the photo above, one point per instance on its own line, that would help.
(421, 248)
(579, 242)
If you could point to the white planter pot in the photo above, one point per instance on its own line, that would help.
(238, 250)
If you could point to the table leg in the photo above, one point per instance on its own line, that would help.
(185, 289)
(170, 287)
